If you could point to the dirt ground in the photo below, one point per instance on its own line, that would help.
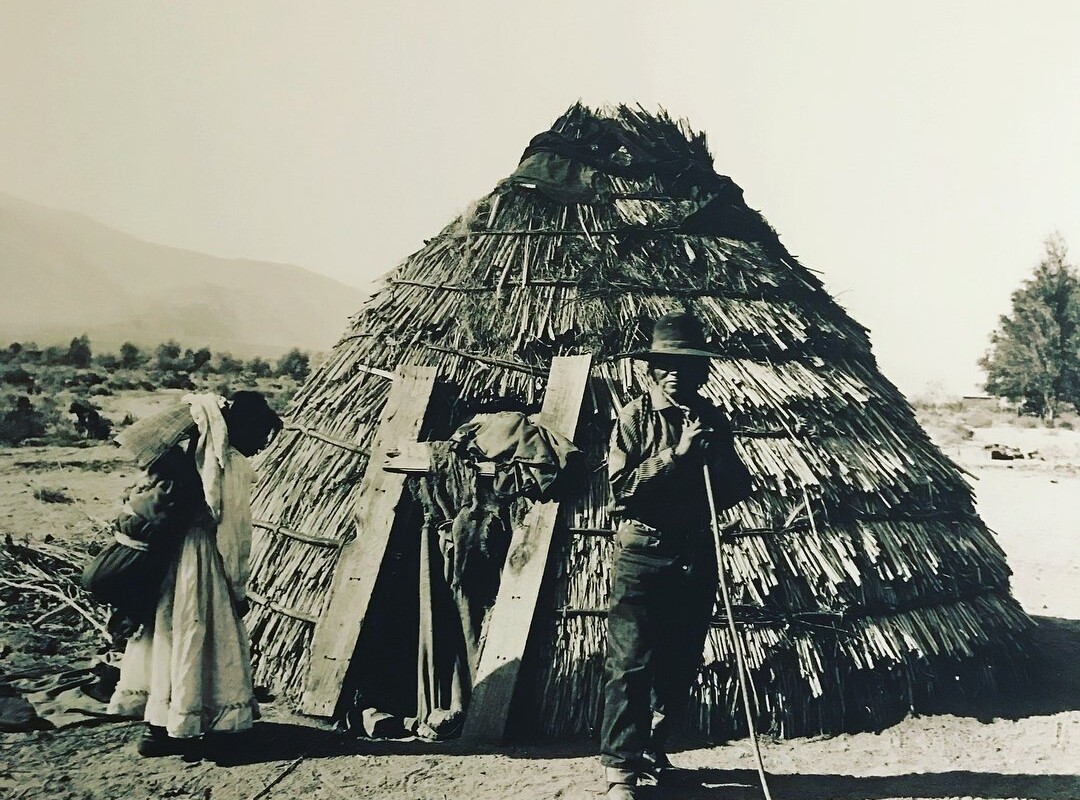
(1025, 748)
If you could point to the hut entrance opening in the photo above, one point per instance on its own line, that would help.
(445, 562)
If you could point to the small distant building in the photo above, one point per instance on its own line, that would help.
(989, 402)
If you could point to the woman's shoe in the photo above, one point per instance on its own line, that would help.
(156, 743)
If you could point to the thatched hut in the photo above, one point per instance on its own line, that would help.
(865, 583)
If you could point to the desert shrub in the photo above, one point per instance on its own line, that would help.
(131, 357)
(1026, 421)
(199, 360)
(123, 383)
(1066, 424)
(47, 494)
(108, 361)
(295, 364)
(85, 379)
(18, 376)
(167, 356)
(258, 368)
(12, 352)
(54, 356)
(28, 353)
(228, 365)
(79, 353)
(59, 422)
(21, 422)
(176, 380)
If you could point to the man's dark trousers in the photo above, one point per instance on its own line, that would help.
(662, 597)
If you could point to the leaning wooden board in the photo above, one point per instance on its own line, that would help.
(526, 562)
(358, 566)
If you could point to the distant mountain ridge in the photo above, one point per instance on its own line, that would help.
(63, 274)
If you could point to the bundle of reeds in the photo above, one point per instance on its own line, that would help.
(864, 580)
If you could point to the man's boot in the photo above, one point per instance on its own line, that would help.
(622, 784)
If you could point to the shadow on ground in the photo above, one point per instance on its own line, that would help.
(708, 784)
(1052, 687)
(279, 741)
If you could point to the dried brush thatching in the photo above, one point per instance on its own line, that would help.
(866, 585)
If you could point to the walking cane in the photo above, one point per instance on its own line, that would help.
(737, 641)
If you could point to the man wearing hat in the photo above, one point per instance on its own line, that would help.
(664, 574)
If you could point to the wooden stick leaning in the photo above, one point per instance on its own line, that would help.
(740, 662)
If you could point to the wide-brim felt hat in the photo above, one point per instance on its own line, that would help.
(677, 334)
(144, 441)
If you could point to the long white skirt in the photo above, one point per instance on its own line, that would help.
(189, 671)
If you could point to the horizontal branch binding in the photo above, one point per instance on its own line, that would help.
(640, 230)
(307, 538)
(322, 437)
(754, 616)
(517, 366)
(457, 287)
(265, 602)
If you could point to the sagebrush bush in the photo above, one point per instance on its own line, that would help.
(48, 494)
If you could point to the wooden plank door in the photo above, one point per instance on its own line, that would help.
(358, 566)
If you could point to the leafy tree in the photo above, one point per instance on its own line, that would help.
(167, 356)
(294, 364)
(229, 365)
(54, 356)
(200, 359)
(258, 368)
(108, 361)
(131, 357)
(1034, 354)
(79, 354)
(30, 353)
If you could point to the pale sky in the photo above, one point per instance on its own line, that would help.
(916, 154)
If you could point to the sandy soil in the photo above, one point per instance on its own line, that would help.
(1024, 748)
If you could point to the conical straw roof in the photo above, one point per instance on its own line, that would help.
(866, 585)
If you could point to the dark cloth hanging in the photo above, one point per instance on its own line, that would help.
(463, 544)
(563, 165)
(530, 460)
(468, 523)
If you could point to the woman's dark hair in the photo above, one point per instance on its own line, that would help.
(251, 421)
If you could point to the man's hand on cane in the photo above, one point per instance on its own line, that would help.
(694, 438)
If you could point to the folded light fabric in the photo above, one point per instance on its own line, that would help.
(210, 452)
(226, 478)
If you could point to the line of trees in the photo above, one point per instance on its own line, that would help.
(1034, 355)
(168, 358)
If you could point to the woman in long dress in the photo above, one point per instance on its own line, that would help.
(187, 673)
